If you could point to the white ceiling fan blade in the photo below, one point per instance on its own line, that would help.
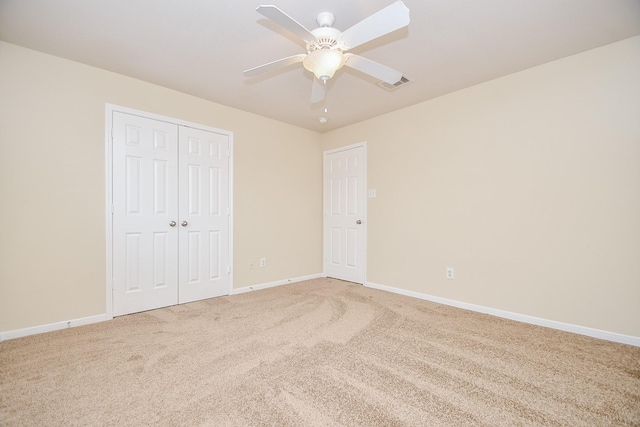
(317, 91)
(280, 63)
(372, 68)
(285, 21)
(389, 19)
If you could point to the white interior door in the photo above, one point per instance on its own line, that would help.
(204, 214)
(171, 213)
(145, 202)
(344, 213)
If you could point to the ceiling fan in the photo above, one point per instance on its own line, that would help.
(326, 45)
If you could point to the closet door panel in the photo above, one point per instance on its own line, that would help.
(145, 202)
(204, 214)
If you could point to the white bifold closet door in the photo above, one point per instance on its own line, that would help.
(170, 212)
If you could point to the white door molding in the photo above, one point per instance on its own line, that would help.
(110, 109)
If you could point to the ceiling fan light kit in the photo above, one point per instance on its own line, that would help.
(326, 46)
(324, 63)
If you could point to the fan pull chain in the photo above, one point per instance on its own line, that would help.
(324, 119)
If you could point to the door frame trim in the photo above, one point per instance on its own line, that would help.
(362, 145)
(108, 137)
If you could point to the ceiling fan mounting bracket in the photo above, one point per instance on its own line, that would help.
(325, 19)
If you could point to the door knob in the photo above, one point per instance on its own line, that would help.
(358, 222)
(184, 223)
(172, 224)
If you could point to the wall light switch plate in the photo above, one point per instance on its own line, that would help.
(372, 193)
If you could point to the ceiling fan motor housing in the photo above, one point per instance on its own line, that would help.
(326, 38)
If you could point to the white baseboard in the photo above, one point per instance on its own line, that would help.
(567, 327)
(19, 333)
(273, 284)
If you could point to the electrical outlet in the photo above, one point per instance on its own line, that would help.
(450, 273)
(263, 262)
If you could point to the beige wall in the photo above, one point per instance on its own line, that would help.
(528, 185)
(52, 186)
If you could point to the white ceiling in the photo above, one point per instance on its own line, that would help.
(201, 47)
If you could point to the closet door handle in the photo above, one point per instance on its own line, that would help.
(184, 223)
(172, 224)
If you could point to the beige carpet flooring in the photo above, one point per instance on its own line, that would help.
(316, 353)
